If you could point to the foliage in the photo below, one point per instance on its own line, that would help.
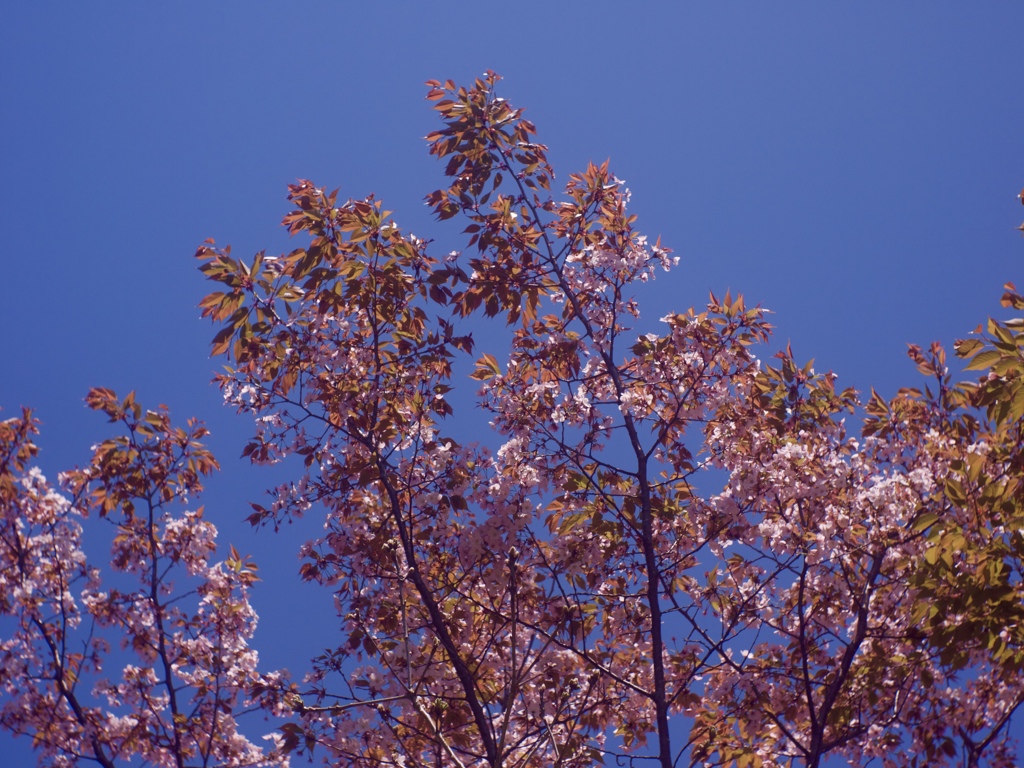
(676, 554)
(190, 667)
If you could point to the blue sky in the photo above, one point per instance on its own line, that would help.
(854, 168)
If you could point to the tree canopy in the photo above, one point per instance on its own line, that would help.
(658, 548)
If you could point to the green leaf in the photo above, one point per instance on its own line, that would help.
(968, 347)
(983, 360)
(955, 491)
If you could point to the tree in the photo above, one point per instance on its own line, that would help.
(675, 555)
(190, 668)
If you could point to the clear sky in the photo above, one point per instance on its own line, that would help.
(853, 167)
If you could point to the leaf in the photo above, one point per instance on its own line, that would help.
(983, 360)
(1016, 411)
(486, 368)
(955, 491)
(222, 341)
(968, 347)
(925, 521)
